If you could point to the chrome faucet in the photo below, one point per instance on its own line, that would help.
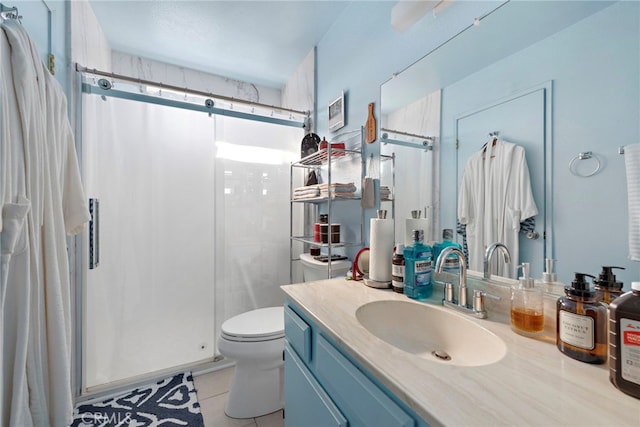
(477, 308)
(488, 256)
(462, 275)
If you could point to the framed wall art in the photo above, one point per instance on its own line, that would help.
(336, 113)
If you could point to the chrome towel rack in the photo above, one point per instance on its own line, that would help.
(584, 156)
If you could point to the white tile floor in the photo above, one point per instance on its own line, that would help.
(212, 389)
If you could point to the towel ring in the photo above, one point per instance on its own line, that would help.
(584, 156)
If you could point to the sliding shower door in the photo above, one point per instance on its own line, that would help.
(149, 303)
(252, 213)
(193, 229)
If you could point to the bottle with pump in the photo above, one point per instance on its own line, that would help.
(397, 269)
(581, 323)
(624, 341)
(607, 288)
(527, 307)
(417, 272)
(549, 282)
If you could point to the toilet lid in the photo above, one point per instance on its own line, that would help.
(255, 325)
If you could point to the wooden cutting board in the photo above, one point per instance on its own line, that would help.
(370, 126)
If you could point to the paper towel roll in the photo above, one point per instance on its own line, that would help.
(411, 224)
(381, 249)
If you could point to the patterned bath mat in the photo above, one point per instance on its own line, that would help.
(170, 402)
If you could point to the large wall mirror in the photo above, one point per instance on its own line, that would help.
(555, 78)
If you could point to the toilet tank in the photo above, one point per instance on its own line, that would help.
(313, 269)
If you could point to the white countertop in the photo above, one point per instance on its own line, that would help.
(534, 384)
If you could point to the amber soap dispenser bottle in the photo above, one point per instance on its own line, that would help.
(527, 307)
(582, 323)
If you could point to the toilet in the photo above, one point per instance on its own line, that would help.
(313, 269)
(255, 340)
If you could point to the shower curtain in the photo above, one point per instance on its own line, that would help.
(193, 229)
(41, 199)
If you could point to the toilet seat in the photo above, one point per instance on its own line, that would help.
(263, 324)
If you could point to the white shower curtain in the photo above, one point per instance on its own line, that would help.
(42, 200)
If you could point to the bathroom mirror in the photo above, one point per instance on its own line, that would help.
(523, 57)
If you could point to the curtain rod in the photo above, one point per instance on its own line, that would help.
(82, 69)
(407, 134)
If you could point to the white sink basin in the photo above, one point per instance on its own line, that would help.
(431, 332)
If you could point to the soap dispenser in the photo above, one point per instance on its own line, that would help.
(527, 308)
(607, 288)
(581, 323)
(549, 282)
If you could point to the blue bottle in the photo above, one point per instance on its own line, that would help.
(452, 263)
(417, 273)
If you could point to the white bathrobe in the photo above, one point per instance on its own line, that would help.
(14, 296)
(495, 196)
(37, 388)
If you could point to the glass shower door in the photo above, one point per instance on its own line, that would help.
(149, 303)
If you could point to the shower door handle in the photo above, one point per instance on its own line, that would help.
(94, 233)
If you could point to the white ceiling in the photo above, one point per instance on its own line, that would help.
(262, 42)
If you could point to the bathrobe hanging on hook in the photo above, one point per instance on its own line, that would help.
(41, 201)
(495, 196)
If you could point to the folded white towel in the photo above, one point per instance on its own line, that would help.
(337, 186)
(339, 195)
(632, 163)
(306, 196)
(306, 188)
(314, 191)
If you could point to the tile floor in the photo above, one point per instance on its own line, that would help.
(212, 389)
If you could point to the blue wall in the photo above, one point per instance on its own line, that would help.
(362, 51)
(47, 24)
(596, 101)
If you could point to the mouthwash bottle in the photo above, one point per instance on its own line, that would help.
(417, 273)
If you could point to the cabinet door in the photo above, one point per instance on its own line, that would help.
(361, 400)
(306, 403)
(298, 333)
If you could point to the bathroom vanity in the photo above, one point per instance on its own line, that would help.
(353, 357)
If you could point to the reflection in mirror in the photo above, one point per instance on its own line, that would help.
(410, 134)
(524, 61)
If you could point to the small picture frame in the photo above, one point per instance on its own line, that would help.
(336, 113)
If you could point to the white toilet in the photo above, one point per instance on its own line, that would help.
(255, 340)
(313, 269)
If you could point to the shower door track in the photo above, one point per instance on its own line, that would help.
(104, 87)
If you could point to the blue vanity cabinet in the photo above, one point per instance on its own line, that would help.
(322, 382)
(306, 403)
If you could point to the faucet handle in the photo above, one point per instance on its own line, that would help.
(448, 292)
(478, 299)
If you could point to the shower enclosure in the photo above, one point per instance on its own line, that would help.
(191, 230)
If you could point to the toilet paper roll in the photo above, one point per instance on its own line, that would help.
(411, 224)
(380, 249)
